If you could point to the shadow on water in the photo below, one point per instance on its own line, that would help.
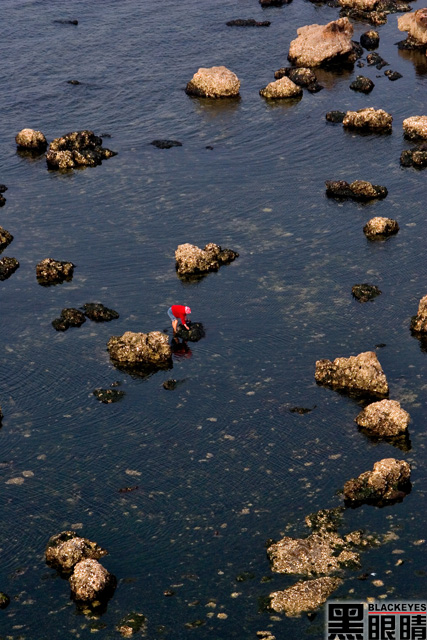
(401, 442)
(418, 59)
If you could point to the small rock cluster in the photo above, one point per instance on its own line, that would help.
(50, 271)
(357, 190)
(95, 311)
(76, 149)
(191, 260)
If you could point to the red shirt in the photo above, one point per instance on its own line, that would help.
(178, 311)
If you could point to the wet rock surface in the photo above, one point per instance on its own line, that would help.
(380, 228)
(362, 84)
(385, 418)
(282, 88)
(249, 22)
(365, 292)
(373, 11)
(5, 238)
(191, 260)
(214, 82)
(320, 44)
(335, 116)
(419, 321)
(7, 267)
(274, 3)
(98, 313)
(357, 190)
(388, 482)
(64, 550)
(61, 21)
(416, 158)
(415, 128)
(108, 396)
(415, 24)
(370, 39)
(31, 140)
(91, 581)
(4, 600)
(77, 149)
(392, 75)
(50, 271)
(166, 144)
(140, 348)
(369, 119)
(374, 59)
(301, 76)
(195, 332)
(69, 318)
(131, 624)
(304, 596)
(361, 374)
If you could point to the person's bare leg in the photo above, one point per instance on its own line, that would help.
(174, 325)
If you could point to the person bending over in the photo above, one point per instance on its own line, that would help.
(179, 312)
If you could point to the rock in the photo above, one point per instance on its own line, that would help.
(66, 549)
(375, 59)
(50, 271)
(75, 82)
(335, 116)
(415, 24)
(301, 411)
(384, 418)
(91, 581)
(357, 190)
(31, 140)
(362, 373)
(74, 22)
(166, 144)
(98, 313)
(283, 88)
(214, 82)
(7, 267)
(415, 127)
(170, 385)
(389, 481)
(191, 260)
(392, 75)
(419, 322)
(140, 348)
(76, 149)
(362, 84)
(374, 11)
(5, 238)
(131, 624)
(2, 201)
(4, 600)
(304, 596)
(368, 119)
(302, 76)
(195, 333)
(108, 396)
(250, 22)
(319, 44)
(365, 292)
(380, 228)
(68, 318)
(274, 3)
(370, 39)
(414, 157)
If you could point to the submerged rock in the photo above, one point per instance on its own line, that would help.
(375, 59)
(195, 333)
(250, 22)
(414, 157)
(365, 292)
(385, 418)
(98, 313)
(69, 318)
(415, 127)
(140, 348)
(4, 600)
(31, 140)
(302, 76)
(282, 88)
(91, 581)
(415, 24)
(274, 3)
(357, 190)
(392, 75)
(50, 271)
(170, 385)
(362, 84)
(318, 44)
(214, 82)
(419, 322)
(77, 149)
(370, 39)
(66, 549)
(388, 482)
(192, 260)
(108, 396)
(304, 596)
(73, 22)
(5, 238)
(335, 116)
(166, 144)
(131, 624)
(362, 373)
(380, 228)
(7, 267)
(369, 119)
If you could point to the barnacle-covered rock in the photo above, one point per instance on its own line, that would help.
(66, 549)
(379, 227)
(191, 260)
(369, 119)
(50, 271)
(77, 149)
(91, 581)
(415, 127)
(304, 596)
(385, 418)
(31, 140)
(214, 82)
(388, 482)
(361, 374)
(282, 88)
(7, 267)
(140, 348)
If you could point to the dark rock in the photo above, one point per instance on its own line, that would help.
(65, 549)
(131, 624)
(360, 64)
(73, 82)
(370, 39)
(4, 600)
(302, 76)
(245, 576)
(414, 157)
(5, 238)
(274, 3)
(7, 267)
(377, 15)
(166, 144)
(365, 292)
(91, 581)
(411, 44)
(108, 396)
(301, 410)
(3, 188)
(377, 60)
(2, 201)
(169, 385)
(388, 482)
(98, 313)
(168, 593)
(315, 87)
(195, 333)
(128, 489)
(50, 271)
(357, 190)
(68, 318)
(77, 149)
(250, 22)
(363, 84)
(392, 75)
(60, 21)
(360, 374)
(335, 116)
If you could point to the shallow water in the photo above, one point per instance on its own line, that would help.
(221, 464)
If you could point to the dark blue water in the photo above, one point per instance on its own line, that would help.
(220, 463)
